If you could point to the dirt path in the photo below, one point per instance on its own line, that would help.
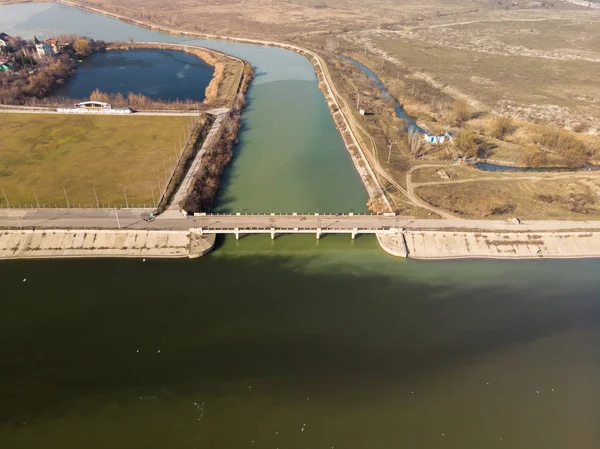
(505, 178)
(410, 189)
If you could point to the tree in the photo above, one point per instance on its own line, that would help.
(466, 144)
(82, 47)
(500, 127)
(415, 142)
(460, 112)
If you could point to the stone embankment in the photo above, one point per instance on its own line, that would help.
(56, 243)
(496, 245)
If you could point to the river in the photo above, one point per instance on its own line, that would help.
(293, 343)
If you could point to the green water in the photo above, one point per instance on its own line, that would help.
(292, 343)
(268, 338)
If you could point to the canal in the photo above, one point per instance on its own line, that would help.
(292, 343)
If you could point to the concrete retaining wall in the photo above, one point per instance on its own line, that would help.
(24, 244)
(501, 245)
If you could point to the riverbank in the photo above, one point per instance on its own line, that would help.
(438, 244)
(412, 244)
(58, 243)
(227, 76)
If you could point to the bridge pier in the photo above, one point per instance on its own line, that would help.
(354, 233)
(237, 233)
(318, 233)
(272, 233)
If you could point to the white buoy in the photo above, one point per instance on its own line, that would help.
(25, 280)
(158, 352)
(537, 392)
(143, 260)
(138, 351)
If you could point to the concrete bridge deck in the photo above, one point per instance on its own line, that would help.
(134, 219)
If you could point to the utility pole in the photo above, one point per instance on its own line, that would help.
(36, 198)
(96, 196)
(67, 198)
(6, 198)
(117, 215)
(390, 152)
(126, 201)
(382, 60)
(357, 99)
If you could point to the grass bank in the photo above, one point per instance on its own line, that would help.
(117, 156)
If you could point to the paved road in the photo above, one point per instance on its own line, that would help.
(133, 219)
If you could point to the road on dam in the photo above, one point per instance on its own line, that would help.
(136, 219)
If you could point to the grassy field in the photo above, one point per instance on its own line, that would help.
(559, 197)
(47, 152)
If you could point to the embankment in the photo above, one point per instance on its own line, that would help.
(436, 244)
(57, 243)
(228, 70)
(216, 153)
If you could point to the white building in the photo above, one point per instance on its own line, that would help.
(441, 138)
(44, 49)
(92, 107)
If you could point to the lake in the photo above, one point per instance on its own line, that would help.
(158, 74)
(292, 343)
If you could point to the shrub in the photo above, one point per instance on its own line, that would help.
(466, 144)
(500, 127)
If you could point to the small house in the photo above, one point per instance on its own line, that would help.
(93, 105)
(44, 49)
(54, 44)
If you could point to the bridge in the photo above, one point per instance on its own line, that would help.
(240, 224)
(296, 224)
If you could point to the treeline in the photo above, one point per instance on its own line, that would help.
(219, 154)
(575, 152)
(31, 79)
(18, 88)
(139, 101)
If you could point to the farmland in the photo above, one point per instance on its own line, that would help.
(51, 153)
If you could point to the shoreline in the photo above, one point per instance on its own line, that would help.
(121, 243)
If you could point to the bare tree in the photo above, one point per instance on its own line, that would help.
(415, 142)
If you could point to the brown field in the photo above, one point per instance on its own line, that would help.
(48, 152)
(562, 197)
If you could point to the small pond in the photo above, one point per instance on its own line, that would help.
(159, 74)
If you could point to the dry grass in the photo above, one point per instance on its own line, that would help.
(48, 152)
(568, 199)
